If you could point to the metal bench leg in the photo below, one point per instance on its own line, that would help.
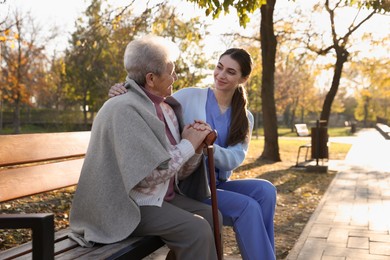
(307, 151)
(307, 147)
(299, 150)
(43, 238)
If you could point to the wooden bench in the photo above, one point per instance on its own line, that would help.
(37, 163)
(302, 131)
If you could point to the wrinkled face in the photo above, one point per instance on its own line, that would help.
(227, 74)
(162, 85)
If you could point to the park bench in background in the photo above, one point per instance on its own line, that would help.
(36, 163)
(383, 129)
(302, 131)
(318, 145)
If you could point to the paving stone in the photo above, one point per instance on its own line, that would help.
(319, 231)
(380, 248)
(339, 236)
(359, 228)
(345, 252)
(326, 257)
(358, 242)
(385, 238)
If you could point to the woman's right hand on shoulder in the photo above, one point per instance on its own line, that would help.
(116, 90)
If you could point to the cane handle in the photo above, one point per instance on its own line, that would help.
(210, 138)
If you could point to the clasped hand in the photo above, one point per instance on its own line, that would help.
(196, 133)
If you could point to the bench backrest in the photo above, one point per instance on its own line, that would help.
(302, 130)
(36, 163)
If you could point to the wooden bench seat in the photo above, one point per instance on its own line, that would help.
(37, 163)
(65, 248)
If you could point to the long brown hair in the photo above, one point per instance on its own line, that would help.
(239, 127)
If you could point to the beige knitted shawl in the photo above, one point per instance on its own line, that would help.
(127, 143)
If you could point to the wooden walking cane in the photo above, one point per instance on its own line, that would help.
(209, 141)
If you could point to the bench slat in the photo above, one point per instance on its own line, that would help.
(139, 247)
(26, 148)
(63, 245)
(76, 253)
(24, 250)
(38, 179)
(130, 248)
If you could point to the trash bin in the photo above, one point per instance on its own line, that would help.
(353, 127)
(319, 143)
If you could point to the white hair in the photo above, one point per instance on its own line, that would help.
(147, 54)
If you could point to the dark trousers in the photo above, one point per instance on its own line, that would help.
(184, 224)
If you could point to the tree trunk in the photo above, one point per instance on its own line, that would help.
(18, 100)
(16, 116)
(342, 57)
(1, 112)
(366, 106)
(268, 52)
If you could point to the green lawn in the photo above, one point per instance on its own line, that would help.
(288, 148)
(283, 131)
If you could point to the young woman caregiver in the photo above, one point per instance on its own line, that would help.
(246, 204)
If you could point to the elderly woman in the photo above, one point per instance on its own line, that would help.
(246, 204)
(138, 153)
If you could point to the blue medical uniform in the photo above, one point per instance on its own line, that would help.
(248, 204)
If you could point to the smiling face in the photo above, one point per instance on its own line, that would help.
(227, 74)
(161, 85)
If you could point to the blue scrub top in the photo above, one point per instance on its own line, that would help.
(218, 121)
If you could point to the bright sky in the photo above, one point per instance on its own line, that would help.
(64, 13)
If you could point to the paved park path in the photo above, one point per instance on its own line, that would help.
(352, 221)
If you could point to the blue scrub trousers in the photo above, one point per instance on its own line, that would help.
(249, 206)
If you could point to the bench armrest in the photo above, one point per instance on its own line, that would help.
(42, 225)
